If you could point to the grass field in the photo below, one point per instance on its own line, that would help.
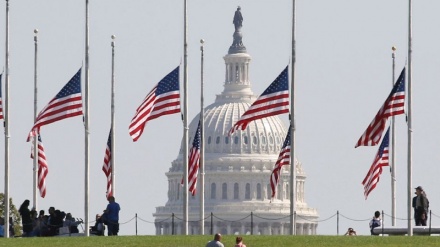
(228, 241)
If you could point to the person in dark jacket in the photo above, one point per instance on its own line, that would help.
(26, 218)
(420, 204)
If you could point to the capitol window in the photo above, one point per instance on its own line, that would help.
(258, 191)
(263, 140)
(236, 140)
(217, 140)
(213, 192)
(280, 191)
(271, 140)
(224, 191)
(247, 194)
(209, 140)
(269, 191)
(255, 140)
(226, 139)
(236, 73)
(245, 140)
(178, 191)
(236, 191)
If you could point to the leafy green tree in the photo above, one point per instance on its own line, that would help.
(13, 213)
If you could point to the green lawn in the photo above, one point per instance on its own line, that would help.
(228, 241)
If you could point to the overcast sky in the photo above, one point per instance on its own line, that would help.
(343, 77)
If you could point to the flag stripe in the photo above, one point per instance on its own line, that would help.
(244, 124)
(59, 106)
(266, 109)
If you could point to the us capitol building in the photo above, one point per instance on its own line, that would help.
(237, 167)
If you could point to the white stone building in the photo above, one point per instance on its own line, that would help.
(237, 168)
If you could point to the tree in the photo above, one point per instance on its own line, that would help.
(13, 213)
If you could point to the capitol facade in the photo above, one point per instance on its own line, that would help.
(237, 168)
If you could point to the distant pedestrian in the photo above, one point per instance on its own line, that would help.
(216, 242)
(239, 242)
(376, 221)
(2, 227)
(111, 216)
(420, 204)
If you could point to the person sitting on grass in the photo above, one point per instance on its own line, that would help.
(350, 232)
(216, 242)
(375, 222)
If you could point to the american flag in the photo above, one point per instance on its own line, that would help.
(193, 164)
(107, 167)
(164, 99)
(381, 159)
(394, 105)
(43, 169)
(273, 101)
(283, 159)
(1, 101)
(67, 103)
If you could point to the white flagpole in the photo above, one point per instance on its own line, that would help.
(6, 118)
(86, 125)
(185, 122)
(112, 145)
(292, 131)
(393, 150)
(35, 151)
(409, 189)
(202, 147)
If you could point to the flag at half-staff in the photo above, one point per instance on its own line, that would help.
(107, 167)
(194, 161)
(283, 160)
(67, 103)
(164, 99)
(394, 105)
(273, 101)
(372, 178)
(1, 99)
(43, 168)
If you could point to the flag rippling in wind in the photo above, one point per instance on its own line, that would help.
(67, 103)
(283, 159)
(394, 105)
(43, 169)
(107, 167)
(164, 99)
(1, 99)
(273, 101)
(372, 178)
(194, 161)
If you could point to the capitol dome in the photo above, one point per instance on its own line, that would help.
(237, 168)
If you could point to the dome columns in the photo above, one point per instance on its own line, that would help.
(237, 69)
